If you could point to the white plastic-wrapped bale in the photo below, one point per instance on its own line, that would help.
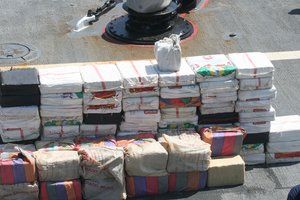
(180, 91)
(60, 132)
(285, 129)
(254, 95)
(19, 123)
(140, 103)
(253, 117)
(62, 99)
(252, 65)
(60, 80)
(98, 77)
(253, 106)
(214, 108)
(185, 76)
(138, 73)
(98, 130)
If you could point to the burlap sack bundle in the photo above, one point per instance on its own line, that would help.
(146, 158)
(57, 165)
(187, 152)
(102, 163)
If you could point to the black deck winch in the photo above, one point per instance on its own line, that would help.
(147, 28)
(140, 27)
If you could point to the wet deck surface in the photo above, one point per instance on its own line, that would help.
(263, 25)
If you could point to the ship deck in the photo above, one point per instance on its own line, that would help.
(272, 27)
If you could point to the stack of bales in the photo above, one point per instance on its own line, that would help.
(18, 172)
(19, 87)
(216, 77)
(145, 165)
(188, 160)
(140, 96)
(61, 102)
(227, 168)
(255, 73)
(179, 98)
(62, 189)
(19, 99)
(284, 140)
(102, 98)
(59, 172)
(102, 166)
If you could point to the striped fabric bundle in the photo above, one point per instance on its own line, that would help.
(187, 181)
(17, 168)
(94, 142)
(67, 190)
(61, 145)
(146, 185)
(224, 141)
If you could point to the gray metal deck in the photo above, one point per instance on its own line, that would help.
(263, 25)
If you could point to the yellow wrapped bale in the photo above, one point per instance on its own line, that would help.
(226, 171)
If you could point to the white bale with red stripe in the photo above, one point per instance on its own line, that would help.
(103, 108)
(141, 103)
(254, 95)
(59, 132)
(218, 97)
(252, 106)
(184, 112)
(255, 127)
(180, 91)
(256, 83)
(101, 77)
(19, 123)
(141, 92)
(138, 126)
(142, 116)
(214, 108)
(104, 97)
(252, 65)
(60, 80)
(59, 115)
(62, 99)
(285, 129)
(97, 129)
(252, 117)
(219, 86)
(184, 76)
(138, 73)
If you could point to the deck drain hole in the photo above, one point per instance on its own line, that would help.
(17, 54)
(232, 35)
